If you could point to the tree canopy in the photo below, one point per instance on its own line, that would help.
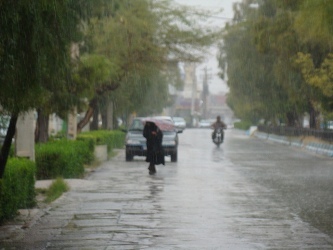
(288, 72)
(144, 40)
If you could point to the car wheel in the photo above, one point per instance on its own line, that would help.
(174, 157)
(129, 157)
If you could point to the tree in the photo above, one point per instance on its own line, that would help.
(315, 62)
(276, 30)
(142, 38)
(34, 51)
(255, 93)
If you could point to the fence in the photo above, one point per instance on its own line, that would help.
(323, 134)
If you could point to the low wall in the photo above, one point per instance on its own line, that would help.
(101, 152)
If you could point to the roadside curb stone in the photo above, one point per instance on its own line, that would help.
(314, 147)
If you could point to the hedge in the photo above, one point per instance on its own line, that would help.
(63, 158)
(17, 187)
(244, 125)
(111, 138)
(66, 158)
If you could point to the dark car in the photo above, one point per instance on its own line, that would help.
(136, 143)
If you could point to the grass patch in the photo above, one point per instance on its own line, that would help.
(57, 188)
(243, 125)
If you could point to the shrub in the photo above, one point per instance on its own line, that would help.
(17, 187)
(244, 125)
(111, 138)
(63, 158)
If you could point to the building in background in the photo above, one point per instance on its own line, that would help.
(196, 102)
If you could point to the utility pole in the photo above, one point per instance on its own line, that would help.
(194, 95)
(205, 93)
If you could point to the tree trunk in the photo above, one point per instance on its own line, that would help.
(42, 127)
(313, 116)
(94, 123)
(7, 143)
(107, 116)
(104, 119)
(291, 119)
(89, 114)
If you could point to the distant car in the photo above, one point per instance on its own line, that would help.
(136, 143)
(166, 118)
(180, 123)
(205, 123)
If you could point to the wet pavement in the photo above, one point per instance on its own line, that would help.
(247, 194)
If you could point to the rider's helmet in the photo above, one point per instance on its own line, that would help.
(218, 118)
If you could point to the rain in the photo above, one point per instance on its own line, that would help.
(87, 85)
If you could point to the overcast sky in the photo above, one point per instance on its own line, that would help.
(216, 85)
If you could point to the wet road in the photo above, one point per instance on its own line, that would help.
(248, 194)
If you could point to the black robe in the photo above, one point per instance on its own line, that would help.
(155, 153)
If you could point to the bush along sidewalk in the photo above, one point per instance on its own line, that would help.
(17, 187)
(63, 158)
(112, 138)
(66, 158)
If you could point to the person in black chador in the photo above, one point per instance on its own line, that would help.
(155, 154)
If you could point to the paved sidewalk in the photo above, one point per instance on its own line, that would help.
(27, 218)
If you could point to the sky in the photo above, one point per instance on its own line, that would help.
(216, 84)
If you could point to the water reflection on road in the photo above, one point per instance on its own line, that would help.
(218, 154)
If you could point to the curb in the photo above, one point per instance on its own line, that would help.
(314, 147)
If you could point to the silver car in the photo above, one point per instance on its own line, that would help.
(179, 122)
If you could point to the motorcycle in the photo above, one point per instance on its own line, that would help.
(218, 136)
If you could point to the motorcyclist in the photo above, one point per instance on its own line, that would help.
(218, 124)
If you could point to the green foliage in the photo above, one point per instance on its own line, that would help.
(57, 188)
(254, 92)
(278, 61)
(320, 78)
(92, 72)
(35, 60)
(314, 24)
(66, 158)
(63, 158)
(144, 41)
(17, 187)
(111, 138)
(244, 125)
(35, 38)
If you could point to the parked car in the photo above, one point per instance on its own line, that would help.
(136, 143)
(205, 123)
(179, 122)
